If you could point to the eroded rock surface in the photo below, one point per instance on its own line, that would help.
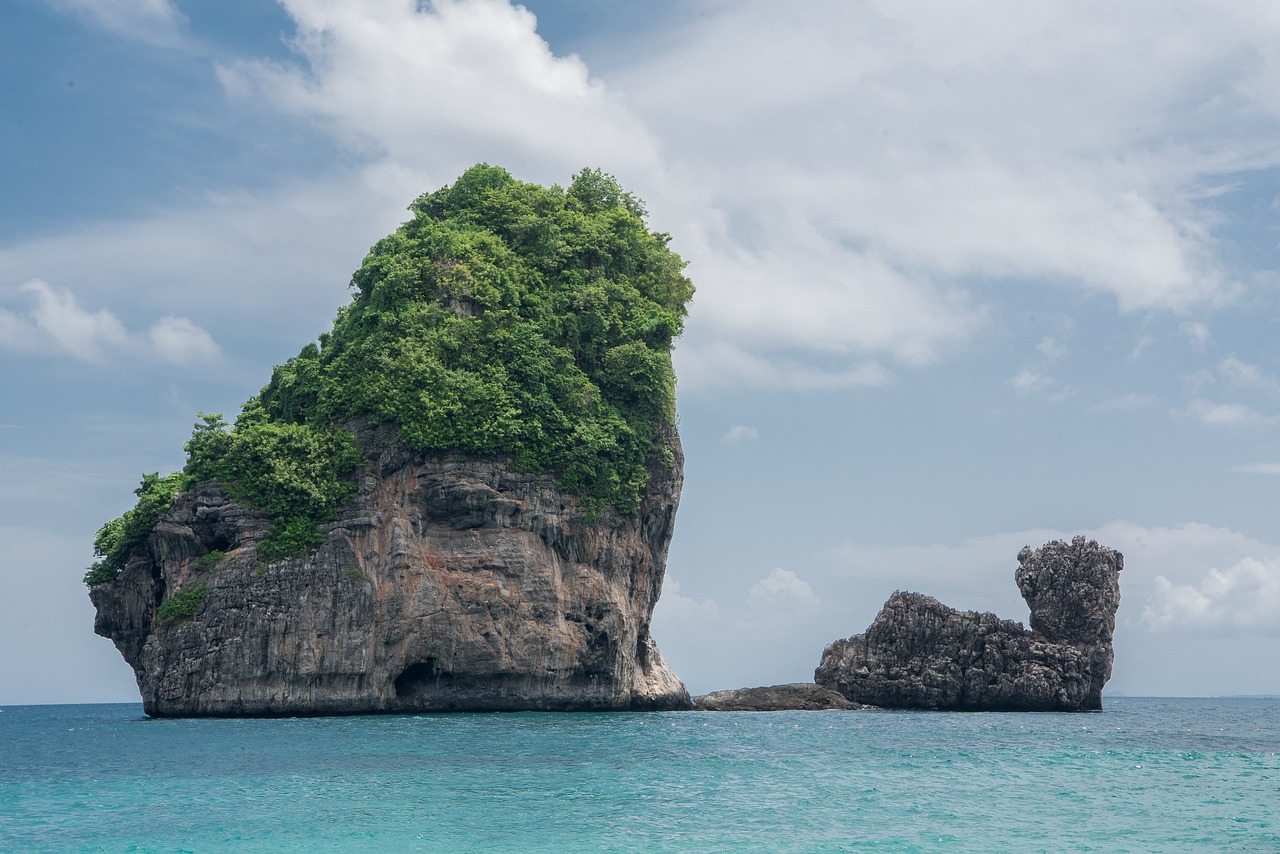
(447, 585)
(922, 654)
(798, 696)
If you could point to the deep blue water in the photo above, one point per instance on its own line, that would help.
(1146, 775)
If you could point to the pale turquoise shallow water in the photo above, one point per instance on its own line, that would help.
(1146, 775)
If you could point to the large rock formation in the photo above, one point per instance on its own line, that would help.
(796, 697)
(921, 654)
(449, 584)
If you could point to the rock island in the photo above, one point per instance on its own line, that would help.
(459, 498)
(922, 654)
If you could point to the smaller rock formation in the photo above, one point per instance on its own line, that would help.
(922, 654)
(798, 696)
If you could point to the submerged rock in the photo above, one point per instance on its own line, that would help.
(798, 696)
(922, 654)
(449, 584)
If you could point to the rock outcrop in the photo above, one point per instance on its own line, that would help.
(449, 584)
(921, 654)
(798, 696)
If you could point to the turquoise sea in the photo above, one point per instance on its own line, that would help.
(1145, 775)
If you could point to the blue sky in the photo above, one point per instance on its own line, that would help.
(970, 277)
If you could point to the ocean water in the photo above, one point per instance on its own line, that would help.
(1145, 775)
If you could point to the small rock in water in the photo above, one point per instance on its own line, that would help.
(922, 654)
(799, 696)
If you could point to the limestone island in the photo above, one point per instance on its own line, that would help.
(458, 499)
(922, 654)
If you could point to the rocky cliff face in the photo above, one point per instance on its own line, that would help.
(447, 585)
(922, 654)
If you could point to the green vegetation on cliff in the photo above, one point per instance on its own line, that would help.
(503, 319)
(184, 604)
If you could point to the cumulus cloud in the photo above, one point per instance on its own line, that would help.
(272, 257)
(439, 86)
(1260, 468)
(56, 323)
(676, 609)
(1244, 598)
(181, 342)
(1227, 414)
(740, 433)
(1196, 333)
(1051, 348)
(1244, 375)
(883, 169)
(724, 364)
(782, 588)
(847, 183)
(773, 636)
(1030, 381)
(1060, 141)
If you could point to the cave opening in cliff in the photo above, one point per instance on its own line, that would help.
(418, 678)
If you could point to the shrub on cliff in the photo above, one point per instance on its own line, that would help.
(503, 319)
(184, 604)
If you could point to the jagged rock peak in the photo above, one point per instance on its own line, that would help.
(1073, 589)
(920, 653)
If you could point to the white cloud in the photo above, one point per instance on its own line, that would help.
(838, 179)
(676, 609)
(740, 433)
(1198, 380)
(1057, 142)
(1129, 401)
(1196, 333)
(1260, 468)
(440, 86)
(782, 588)
(883, 168)
(723, 364)
(1051, 348)
(1227, 414)
(56, 323)
(153, 21)
(1064, 393)
(1243, 599)
(181, 342)
(774, 637)
(241, 257)
(1244, 375)
(1029, 381)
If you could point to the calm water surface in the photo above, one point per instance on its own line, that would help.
(1146, 775)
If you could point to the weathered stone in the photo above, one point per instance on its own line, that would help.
(921, 654)
(449, 584)
(798, 696)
